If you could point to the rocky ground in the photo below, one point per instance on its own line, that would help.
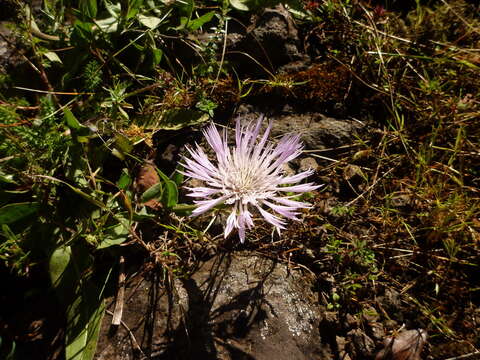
(347, 282)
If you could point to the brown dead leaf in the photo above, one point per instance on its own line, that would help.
(146, 178)
(406, 345)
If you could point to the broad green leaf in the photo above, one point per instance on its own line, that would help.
(82, 299)
(149, 21)
(82, 32)
(84, 317)
(93, 331)
(14, 212)
(185, 7)
(58, 264)
(115, 235)
(170, 192)
(153, 192)
(83, 325)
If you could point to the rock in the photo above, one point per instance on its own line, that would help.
(360, 345)
(274, 34)
(307, 164)
(369, 314)
(377, 330)
(401, 201)
(341, 342)
(317, 131)
(233, 307)
(351, 321)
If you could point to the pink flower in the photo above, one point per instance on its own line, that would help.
(247, 176)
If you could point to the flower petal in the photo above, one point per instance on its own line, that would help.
(231, 223)
(205, 205)
(272, 219)
(299, 188)
(286, 211)
(295, 178)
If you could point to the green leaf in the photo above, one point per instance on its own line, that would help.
(170, 193)
(185, 7)
(123, 143)
(88, 8)
(86, 196)
(198, 23)
(84, 317)
(59, 262)
(153, 192)
(71, 120)
(156, 55)
(183, 209)
(178, 177)
(143, 215)
(133, 8)
(78, 130)
(82, 33)
(125, 180)
(115, 235)
(82, 299)
(14, 212)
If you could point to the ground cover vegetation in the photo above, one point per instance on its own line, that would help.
(94, 94)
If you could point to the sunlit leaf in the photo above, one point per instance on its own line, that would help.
(149, 21)
(84, 317)
(52, 56)
(58, 264)
(239, 4)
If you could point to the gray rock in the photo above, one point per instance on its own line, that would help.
(307, 164)
(233, 307)
(317, 131)
(360, 345)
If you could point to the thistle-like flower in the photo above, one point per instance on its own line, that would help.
(247, 176)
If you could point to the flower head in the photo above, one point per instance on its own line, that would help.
(247, 176)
